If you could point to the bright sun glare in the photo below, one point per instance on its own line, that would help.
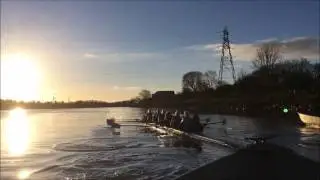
(20, 78)
(16, 129)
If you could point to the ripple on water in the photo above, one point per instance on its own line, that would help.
(132, 161)
(91, 151)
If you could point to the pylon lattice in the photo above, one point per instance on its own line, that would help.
(226, 61)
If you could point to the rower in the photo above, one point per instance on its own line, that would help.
(175, 120)
(167, 118)
(155, 116)
(144, 116)
(161, 117)
(148, 116)
(186, 122)
(156, 120)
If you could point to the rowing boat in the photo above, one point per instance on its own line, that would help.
(196, 136)
(167, 130)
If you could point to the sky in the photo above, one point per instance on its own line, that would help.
(108, 50)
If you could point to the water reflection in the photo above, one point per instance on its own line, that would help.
(16, 128)
(24, 174)
(169, 141)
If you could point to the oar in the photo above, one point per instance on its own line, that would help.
(112, 123)
(261, 139)
(125, 120)
(223, 122)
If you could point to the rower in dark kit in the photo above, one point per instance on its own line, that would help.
(148, 116)
(167, 118)
(175, 120)
(155, 116)
(186, 122)
(161, 117)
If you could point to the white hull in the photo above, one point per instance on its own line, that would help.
(189, 135)
(310, 120)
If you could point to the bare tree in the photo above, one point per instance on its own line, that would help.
(193, 81)
(267, 55)
(210, 78)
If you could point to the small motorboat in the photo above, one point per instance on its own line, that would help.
(310, 120)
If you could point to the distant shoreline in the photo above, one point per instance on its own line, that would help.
(290, 117)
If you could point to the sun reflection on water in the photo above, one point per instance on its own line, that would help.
(16, 129)
(24, 174)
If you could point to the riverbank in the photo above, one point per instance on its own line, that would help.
(8, 104)
(238, 107)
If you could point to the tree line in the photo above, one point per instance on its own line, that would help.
(271, 74)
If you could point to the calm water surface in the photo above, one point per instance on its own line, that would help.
(76, 144)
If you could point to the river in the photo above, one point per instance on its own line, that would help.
(76, 144)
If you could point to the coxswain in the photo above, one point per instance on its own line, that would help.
(197, 126)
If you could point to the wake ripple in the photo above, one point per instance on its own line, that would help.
(71, 147)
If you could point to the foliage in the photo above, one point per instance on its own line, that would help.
(192, 81)
(144, 94)
(288, 76)
(196, 81)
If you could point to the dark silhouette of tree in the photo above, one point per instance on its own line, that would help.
(316, 71)
(193, 82)
(267, 56)
(144, 94)
(241, 75)
(222, 83)
(295, 74)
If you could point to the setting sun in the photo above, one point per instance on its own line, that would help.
(20, 78)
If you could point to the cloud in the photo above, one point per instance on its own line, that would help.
(297, 47)
(269, 40)
(89, 55)
(302, 47)
(124, 57)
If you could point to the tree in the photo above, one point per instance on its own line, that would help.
(193, 82)
(267, 56)
(316, 71)
(144, 94)
(210, 78)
